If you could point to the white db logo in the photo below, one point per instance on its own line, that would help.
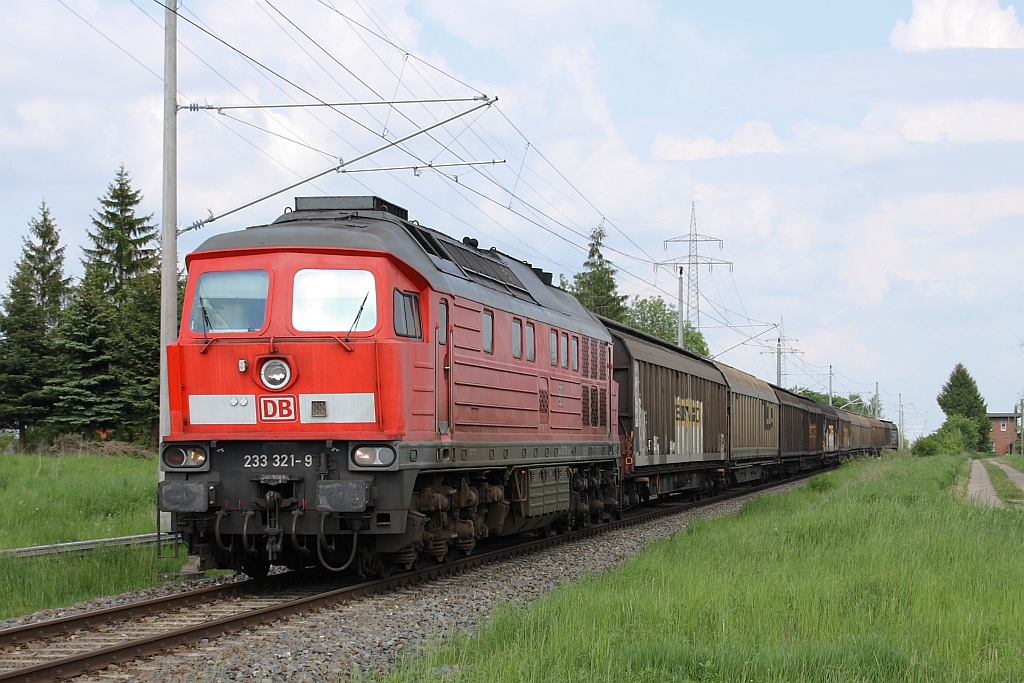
(277, 408)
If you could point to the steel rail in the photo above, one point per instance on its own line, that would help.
(78, 664)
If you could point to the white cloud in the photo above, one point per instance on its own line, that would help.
(753, 137)
(964, 122)
(885, 133)
(938, 24)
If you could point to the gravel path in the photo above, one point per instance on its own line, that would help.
(1015, 475)
(980, 488)
(363, 637)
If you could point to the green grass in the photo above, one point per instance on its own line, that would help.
(30, 584)
(58, 499)
(874, 572)
(1008, 492)
(1014, 461)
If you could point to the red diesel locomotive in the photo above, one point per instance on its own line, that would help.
(352, 389)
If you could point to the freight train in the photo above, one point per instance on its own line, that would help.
(354, 390)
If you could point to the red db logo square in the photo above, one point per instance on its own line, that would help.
(277, 408)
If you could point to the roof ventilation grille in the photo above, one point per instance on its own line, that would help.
(345, 203)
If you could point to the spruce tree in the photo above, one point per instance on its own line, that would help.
(31, 312)
(87, 396)
(45, 258)
(123, 243)
(960, 396)
(595, 286)
(136, 351)
(113, 368)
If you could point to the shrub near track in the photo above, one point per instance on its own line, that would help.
(874, 572)
(46, 499)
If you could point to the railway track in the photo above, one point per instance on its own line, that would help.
(78, 644)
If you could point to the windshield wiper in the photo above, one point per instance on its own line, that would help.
(358, 315)
(207, 325)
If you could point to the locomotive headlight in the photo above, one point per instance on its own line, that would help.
(196, 457)
(175, 457)
(275, 374)
(374, 456)
(184, 456)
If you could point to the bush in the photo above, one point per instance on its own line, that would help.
(925, 446)
(958, 434)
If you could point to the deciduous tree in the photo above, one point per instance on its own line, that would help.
(655, 317)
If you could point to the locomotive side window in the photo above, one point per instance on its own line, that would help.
(230, 301)
(517, 338)
(575, 354)
(442, 323)
(565, 350)
(554, 348)
(407, 315)
(531, 345)
(488, 332)
(334, 301)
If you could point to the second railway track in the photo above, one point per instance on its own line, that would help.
(70, 646)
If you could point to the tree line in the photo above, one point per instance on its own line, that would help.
(84, 356)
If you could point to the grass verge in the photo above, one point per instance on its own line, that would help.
(1014, 461)
(1008, 492)
(45, 499)
(874, 572)
(31, 584)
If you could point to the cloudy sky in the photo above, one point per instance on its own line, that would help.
(860, 161)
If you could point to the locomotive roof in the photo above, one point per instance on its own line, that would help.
(486, 276)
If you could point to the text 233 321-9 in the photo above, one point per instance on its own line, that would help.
(278, 460)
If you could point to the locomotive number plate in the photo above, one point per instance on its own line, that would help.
(278, 460)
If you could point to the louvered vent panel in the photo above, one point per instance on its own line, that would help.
(593, 406)
(586, 359)
(471, 260)
(586, 406)
(604, 408)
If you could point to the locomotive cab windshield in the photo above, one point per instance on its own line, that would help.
(230, 301)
